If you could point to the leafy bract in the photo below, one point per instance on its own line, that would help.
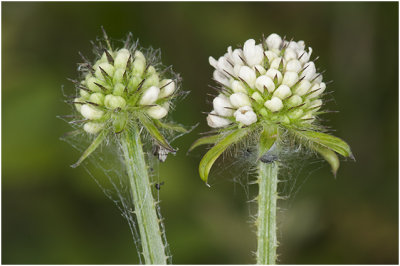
(211, 156)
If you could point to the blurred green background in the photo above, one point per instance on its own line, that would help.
(53, 214)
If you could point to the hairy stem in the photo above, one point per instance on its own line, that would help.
(266, 218)
(145, 209)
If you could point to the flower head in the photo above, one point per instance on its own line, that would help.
(275, 81)
(271, 89)
(124, 86)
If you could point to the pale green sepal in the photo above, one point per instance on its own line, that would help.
(329, 156)
(92, 147)
(204, 140)
(328, 141)
(155, 133)
(267, 139)
(211, 156)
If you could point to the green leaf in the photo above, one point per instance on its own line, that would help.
(328, 141)
(155, 133)
(329, 156)
(267, 139)
(92, 147)
(204, 141)
(211, 156)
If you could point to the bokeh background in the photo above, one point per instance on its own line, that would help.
(53, 214)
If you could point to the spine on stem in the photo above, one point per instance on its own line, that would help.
(145, 209)
(266, 218)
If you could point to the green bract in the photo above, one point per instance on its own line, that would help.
(270, 88)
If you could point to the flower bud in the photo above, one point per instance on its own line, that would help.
(114, 102)
(290, 78)
(239, 99)
(275, 104)
(265, 82)
(309, 71)
(167, 88)
(157, 112)
(270, 56)
(97, 98)
(108, 68)
(245, 115)
(317, 89)
(257, 97)
(121, 59)
(215, 121)
(92, 127)
(259, 69)
(150, 96)
(293, 66)
(221, 78)
(274, 41)
(276, 63)
(118, 75)
(91, 112)
(290, 54)
(222, 106)
(248, 75)
(303, 87)
(294, 100)
(282, 92)
(237, 86)
(119, 89)
(275, 75)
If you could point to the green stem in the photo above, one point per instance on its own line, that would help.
(145, 209)
(266, 219)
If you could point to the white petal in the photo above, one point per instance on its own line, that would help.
(274, 41)
(318, 90)
(245, 115)
(248, 75)
(260, 69)
(253, 53)
(290, 54)
(215, 121)
(221, 78)
(294, 100)
(213, 62)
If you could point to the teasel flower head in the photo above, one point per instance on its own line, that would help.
(123, 86)
(271, 87)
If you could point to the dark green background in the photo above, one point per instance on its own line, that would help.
(54, 214)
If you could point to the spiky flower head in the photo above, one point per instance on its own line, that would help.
(274, 81)
(125, 86)
(270, 90)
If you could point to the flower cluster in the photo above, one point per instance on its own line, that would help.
(119, 84)
(273, 81)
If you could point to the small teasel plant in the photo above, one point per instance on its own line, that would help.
(121, 99)
(269, 93)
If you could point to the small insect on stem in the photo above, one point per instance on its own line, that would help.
(158, 185)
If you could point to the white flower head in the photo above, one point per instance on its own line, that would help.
(273, 81)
